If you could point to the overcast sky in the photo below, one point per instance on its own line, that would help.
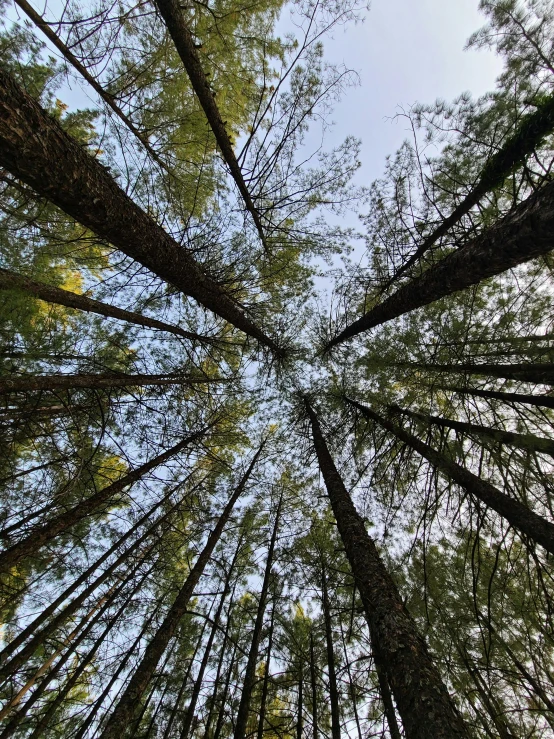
(406, 51)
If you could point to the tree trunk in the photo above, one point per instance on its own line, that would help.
(422, 699)
(36, 150)
(525, 233)
(313, 682)
(541, 401)
(532, 130)
(122, 716)
(537, 373)
(93, 504)
(265, 686)
(191, 710)
(384, 690)
(518, 515)
(300, 707)
(250, 671)
(223, 705)
(31, 383)
(528, 442)
(50, 294)
(222, 654)
(333, 691)
(184, 43)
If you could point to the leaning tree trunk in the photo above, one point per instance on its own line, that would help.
(174, 18)
(32, 383)
(191, 710)
(539, 373)
(50, 294)
(525, 233)
(36, 150)
(531, 131)
(93, 504)
(129, 702)
(518, 515)
(528, 442)
(333, 690)
(541, 401)
(250, 671)
(423, 702)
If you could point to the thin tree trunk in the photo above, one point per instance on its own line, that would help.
(529, 442)
(36, 150)
(422, 699)
(250, 671)
(384, 690)
(300, 707)
(31, 383)
(222, 654)
(541, 401)
(265, 685)
(191, 710)
(126, 708)
(532, 130)
(313, 682)
(351, 687)
(540, 373)
(223, 705)
(184, 43)
(93, 504)
(333, 691)
(525, 233)
(517, 514)
(14, 281)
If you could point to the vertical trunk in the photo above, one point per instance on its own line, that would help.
(518, 515)
(190, 713)
(333, 691)
(422, 699)
(125, 710)
(58, 296)
(542, 401)
(93, 504)
(528, 442)
(313, 682)
(36, 150)
(265, 686)
(250, 671)
(525, 233)
(300, 707)
(351, 686)
(222, 653)
(223, 704)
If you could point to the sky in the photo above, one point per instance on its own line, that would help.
(405, 52)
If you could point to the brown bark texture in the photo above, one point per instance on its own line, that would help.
(542, 401)
(35, 149)
(525, 233)
(424, 704)
(538, 373)
(517, 514)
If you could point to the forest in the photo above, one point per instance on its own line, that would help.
(276, 449)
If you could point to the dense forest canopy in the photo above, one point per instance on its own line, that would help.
(233, 504)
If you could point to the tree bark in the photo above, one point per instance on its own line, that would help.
(35, 383)
(333, 691)
(35, 149)
(313, 683)
(518, 515)
(525, 233)
(537, 373)
(531, 132)
(265, 686)
(126, 708)
(250, 671)
(541, 401)
(50, 294)
(184, 43)
(93, 504)
(422, 699)
(529, 442)
(300, 707)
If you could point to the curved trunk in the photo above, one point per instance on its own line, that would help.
(36, 150)
(93, 504)
(126, 708)
(525, 233)
(518, 515)
(422, 699)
